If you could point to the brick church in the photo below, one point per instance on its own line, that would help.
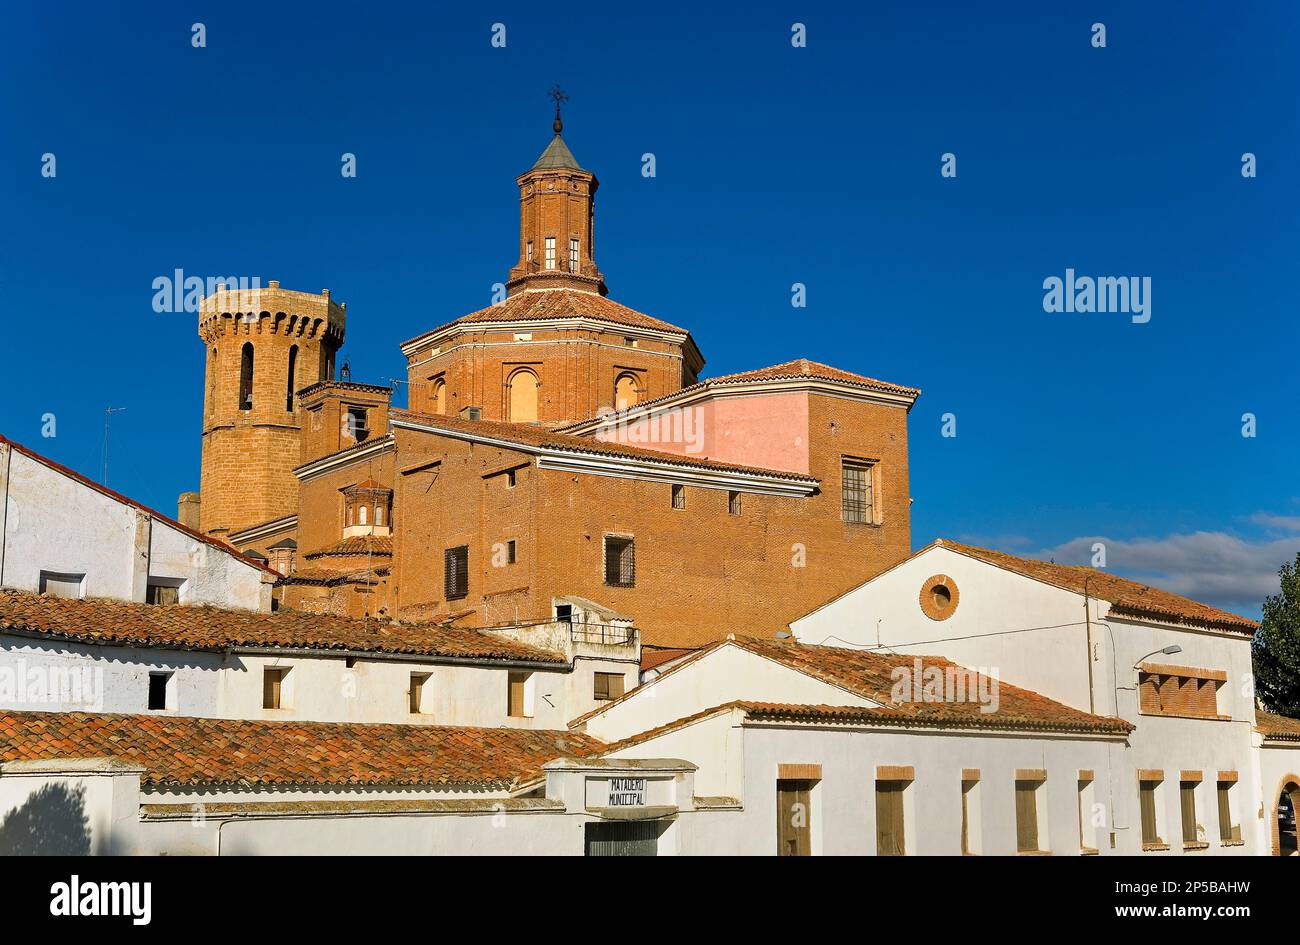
(555, 445)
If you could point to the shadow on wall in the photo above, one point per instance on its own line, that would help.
(52, 822)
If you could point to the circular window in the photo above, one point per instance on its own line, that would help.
(939, 597)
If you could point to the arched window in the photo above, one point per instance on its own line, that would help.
(522, 396)
(379, 515)
(626, 391)
(361, 520)
(246, 377)
(293, 370)
(439, 396)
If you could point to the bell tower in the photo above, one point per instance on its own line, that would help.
(556, 221)
(262, 346)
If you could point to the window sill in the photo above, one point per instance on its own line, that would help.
(1089, 851)
(1154, 847)
(1179, 715)
(1033, 853)
(1232, 843)
(1198, 845)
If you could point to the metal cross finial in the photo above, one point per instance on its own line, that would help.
(557, 93)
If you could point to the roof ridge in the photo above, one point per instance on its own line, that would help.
(540, 437)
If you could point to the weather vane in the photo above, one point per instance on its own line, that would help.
(557, 93)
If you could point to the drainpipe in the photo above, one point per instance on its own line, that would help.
(1087, 621)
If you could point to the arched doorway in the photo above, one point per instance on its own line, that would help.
(1285, 808)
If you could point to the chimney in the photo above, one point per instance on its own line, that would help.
(187, 510)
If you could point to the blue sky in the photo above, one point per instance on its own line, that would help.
(775, 165)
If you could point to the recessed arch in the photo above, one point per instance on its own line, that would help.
(521, 396)
(627, 391)
(246, 376)
(293, 373)
(1289, 790)
(440, 396)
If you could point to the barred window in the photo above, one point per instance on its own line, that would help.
(620, 562)
(455, 572)
(733, 503)
(858, 502)
(550, 252)
(679, 497)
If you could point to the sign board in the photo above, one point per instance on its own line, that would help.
(627, 792)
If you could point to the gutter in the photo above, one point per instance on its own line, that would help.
(317, 652)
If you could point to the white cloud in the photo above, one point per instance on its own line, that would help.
(1214, 567)
(1281, 523)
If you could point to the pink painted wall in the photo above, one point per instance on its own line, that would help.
(765, 430)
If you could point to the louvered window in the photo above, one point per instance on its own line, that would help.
(455, 572)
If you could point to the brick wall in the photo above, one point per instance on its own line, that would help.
(248, 454)
(577, 369)
(701, 572)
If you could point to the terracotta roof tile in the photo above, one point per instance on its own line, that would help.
(192, 751)
(804, 369)
(1277, 726)
(654, 656)
(553, 304)
(333, 576)
(210, 628)
(526, 434)
(869, 675)
(800, 369)
(364, 545)
(1125, 596)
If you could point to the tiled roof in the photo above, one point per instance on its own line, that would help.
(656, 656)
(332, 576)
(1125, 596)
(804, 369)
(177, 750)
(870, 676)
(1277, 726)
(526, 434)
(357, 545)
(552, 304)
(800, 369)
(176, 626)
(118, 497)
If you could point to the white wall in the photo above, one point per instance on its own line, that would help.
(993, 606)
(42, 675)
(994, 603)
(52, 522)
(726, 674)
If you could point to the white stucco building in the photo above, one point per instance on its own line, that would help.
(1179, 671)
(61, 533)
(965, 702)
